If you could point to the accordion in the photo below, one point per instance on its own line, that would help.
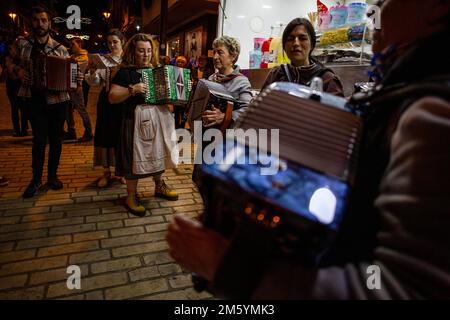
(54, 73)
(206, 95)
(300, 203)
(167, 84)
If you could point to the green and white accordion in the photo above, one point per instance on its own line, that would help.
(167, 84)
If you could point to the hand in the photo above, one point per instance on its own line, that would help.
(195, 247)
(92, 68)
(212, 117)
(139, 88)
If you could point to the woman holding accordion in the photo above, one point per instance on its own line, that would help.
(226, 52)
(145, 131)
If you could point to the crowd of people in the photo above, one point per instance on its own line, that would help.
(399, 213)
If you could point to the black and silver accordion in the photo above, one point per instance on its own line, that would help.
(167, 84)
(206, 95)
(294, 180)
(54, 73)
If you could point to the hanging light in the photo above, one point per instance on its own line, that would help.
(106, 14)
(12, 15)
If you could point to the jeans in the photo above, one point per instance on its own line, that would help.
(78, 104)
(19, 117)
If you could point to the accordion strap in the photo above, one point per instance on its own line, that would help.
(46, 53)
(287, 72)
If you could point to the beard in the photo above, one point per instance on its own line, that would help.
(41, 32)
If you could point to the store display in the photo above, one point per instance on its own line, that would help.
(321, 8)
(275, 46)
(265, 53)
(312, 16)
(335, 36)
(256, 54)
(339, 15)
(324, 20)
(342, 38)
(356, 33)
(356, 13)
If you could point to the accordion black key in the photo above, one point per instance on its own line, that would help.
(167, 84)
(206, 95)
(54, 73)
(295, 187)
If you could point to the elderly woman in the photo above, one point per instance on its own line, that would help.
(395, 242)
(226, 52)
(299, 41)
(145, 147)
(108, 117)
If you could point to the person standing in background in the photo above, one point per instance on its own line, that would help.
(108, 116)
(18, 108)
(178, 109)
(78, 103)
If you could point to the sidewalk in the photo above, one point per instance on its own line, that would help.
(120, 256)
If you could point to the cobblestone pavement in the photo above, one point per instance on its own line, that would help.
(120, 256)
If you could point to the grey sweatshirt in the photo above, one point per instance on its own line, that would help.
(238, 86)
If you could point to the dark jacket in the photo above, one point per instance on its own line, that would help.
(304, 75)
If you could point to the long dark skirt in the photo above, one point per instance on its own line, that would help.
(106, 131)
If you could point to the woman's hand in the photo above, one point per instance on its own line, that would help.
(139, 88)
(212, 117)
(195, 247)
(92, 68)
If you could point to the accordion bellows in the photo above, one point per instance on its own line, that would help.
(54, 73)
(167, 84)
(207, 94)
(322, 135)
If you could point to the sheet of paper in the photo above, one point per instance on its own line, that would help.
(96, 60)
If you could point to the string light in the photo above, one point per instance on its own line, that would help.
(70, 36)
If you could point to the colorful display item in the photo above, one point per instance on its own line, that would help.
(356, 13)
(338, 16)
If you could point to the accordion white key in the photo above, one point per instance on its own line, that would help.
(167, 84)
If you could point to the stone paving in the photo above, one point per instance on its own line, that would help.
(120, 256)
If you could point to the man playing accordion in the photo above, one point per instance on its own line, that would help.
(47, 107)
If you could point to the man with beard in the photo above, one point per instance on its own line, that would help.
(47, 108)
